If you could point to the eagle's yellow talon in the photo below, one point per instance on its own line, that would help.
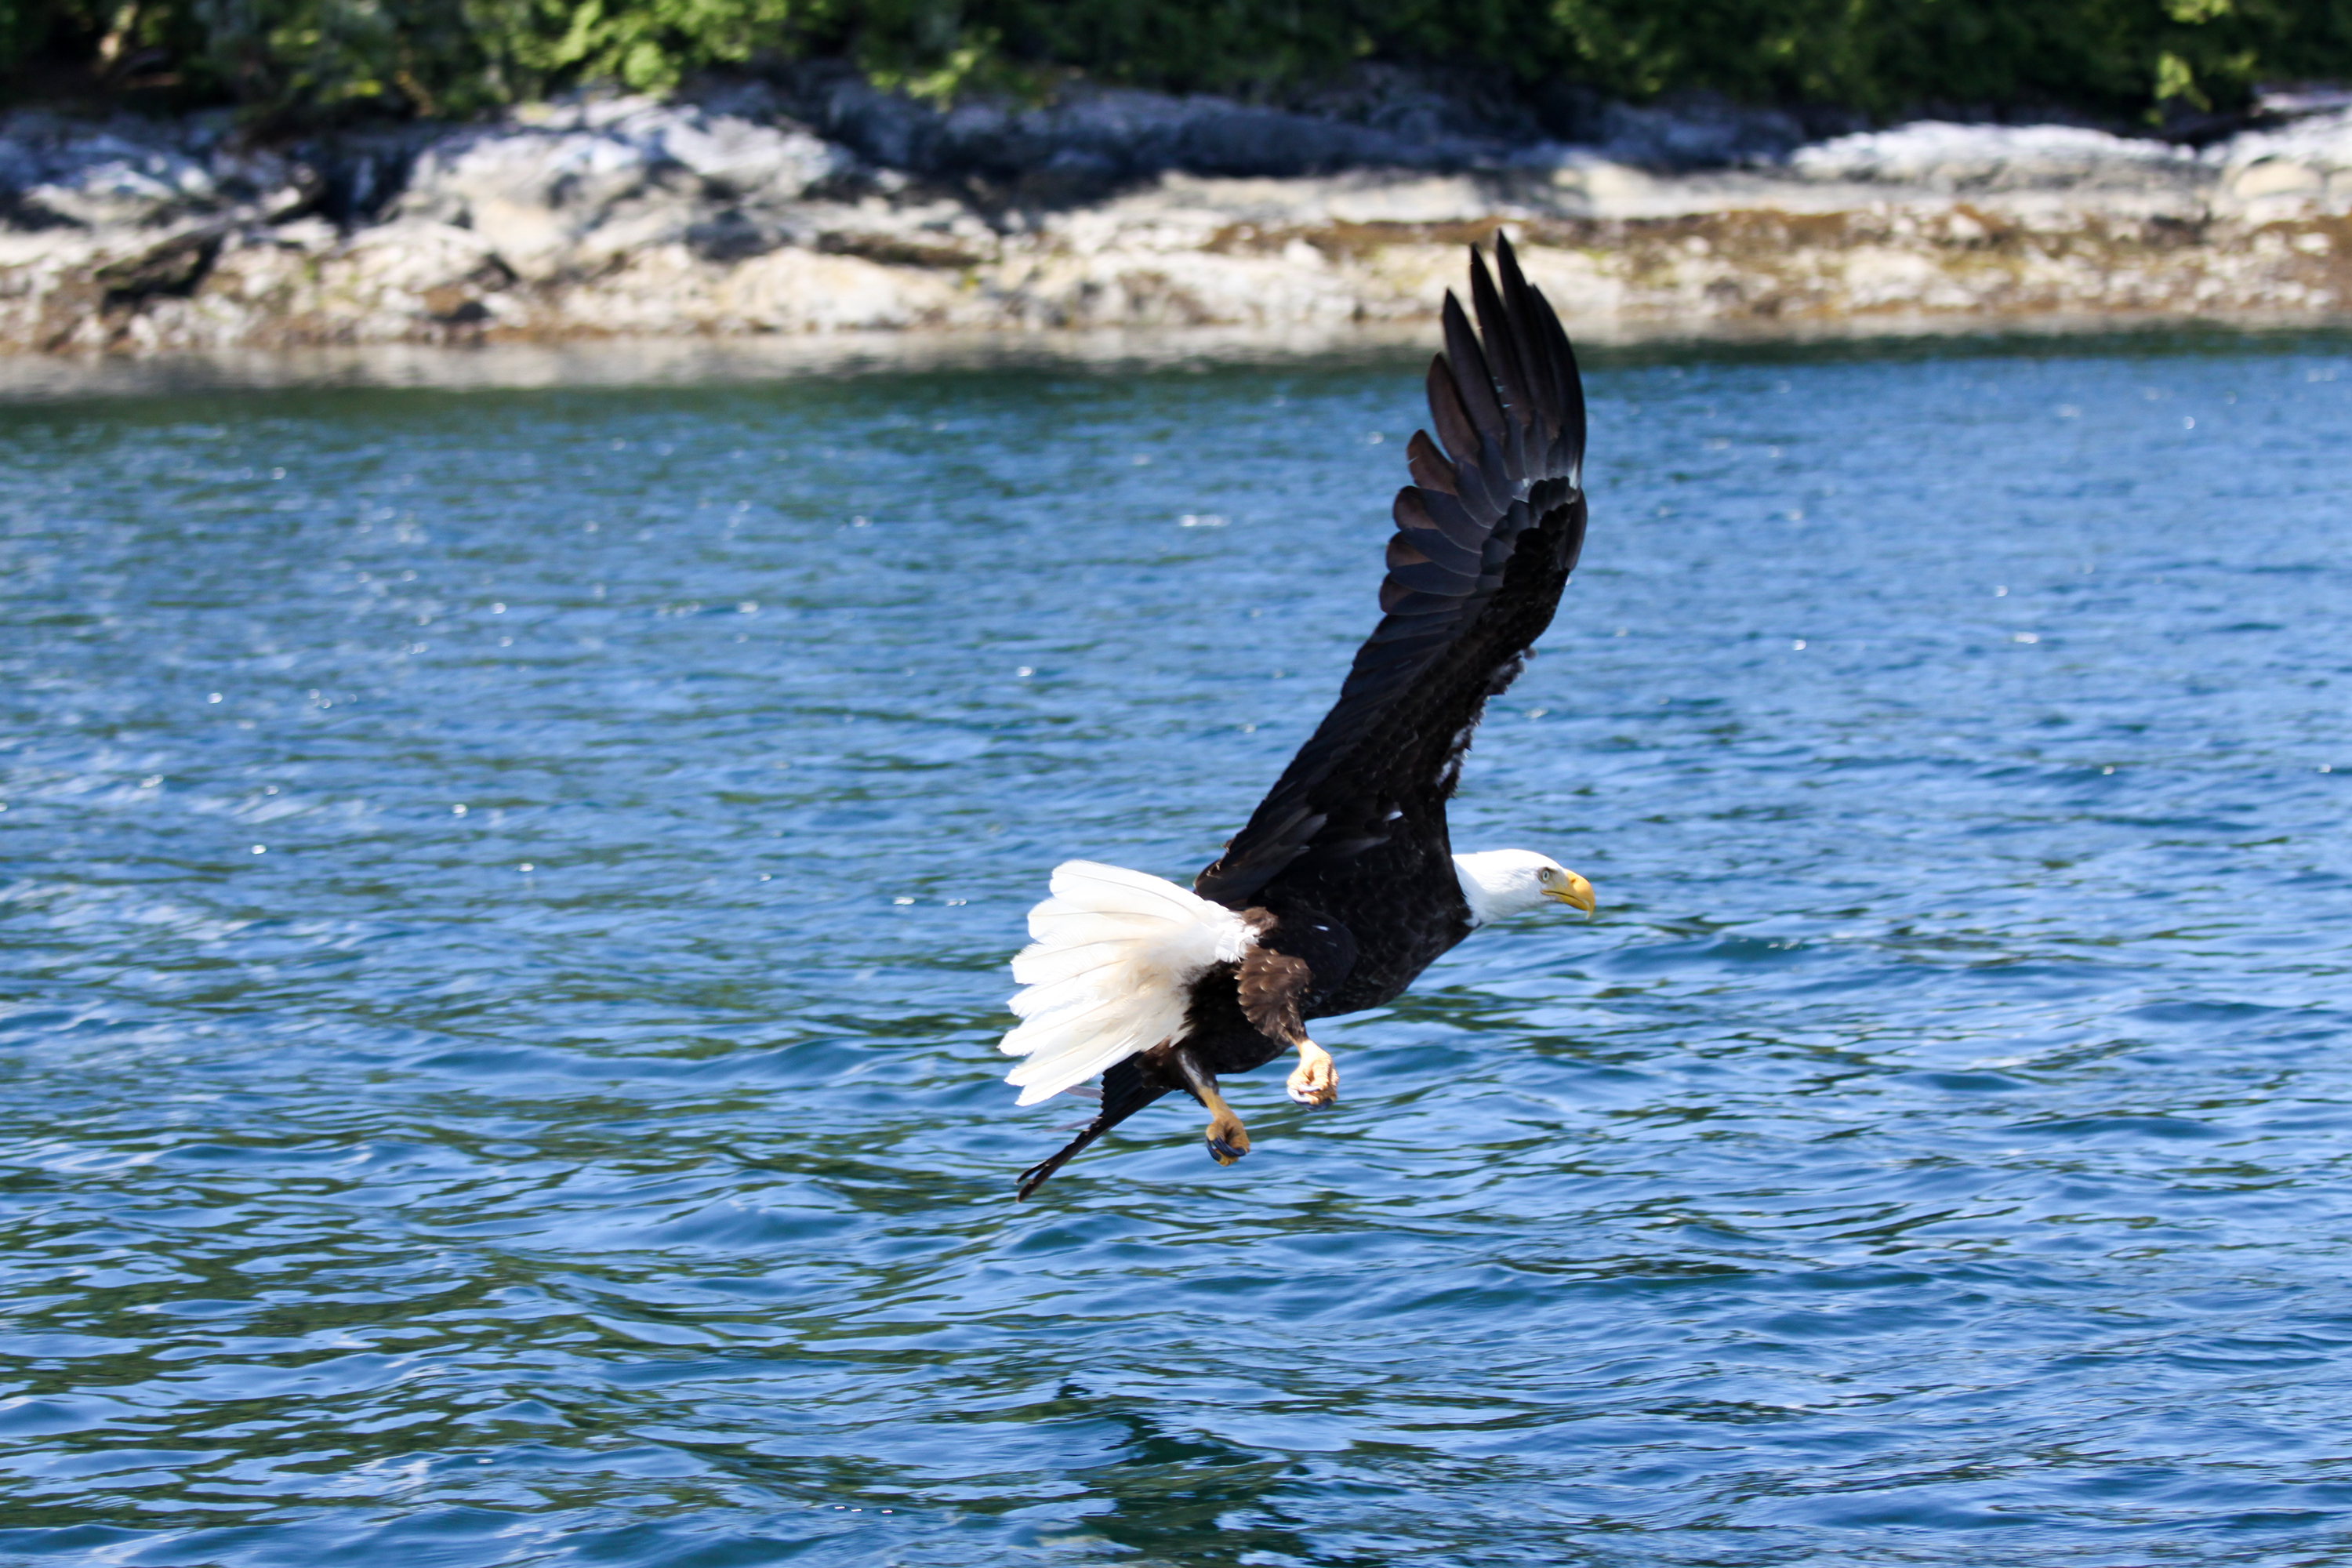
(1228, 1140)
(1315, 1079)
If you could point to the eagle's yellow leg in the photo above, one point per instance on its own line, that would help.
(1315, 1079)
(1228, 1139)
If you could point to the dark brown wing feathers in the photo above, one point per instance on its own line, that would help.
(1273, 986)
(1486, 535)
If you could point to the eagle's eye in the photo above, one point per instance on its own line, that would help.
(1547, 875)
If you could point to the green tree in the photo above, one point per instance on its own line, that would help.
(2117, 59)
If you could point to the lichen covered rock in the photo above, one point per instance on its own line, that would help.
(732, 217)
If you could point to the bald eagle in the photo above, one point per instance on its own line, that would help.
(1343, 886)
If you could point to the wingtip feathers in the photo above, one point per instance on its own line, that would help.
(1510, 389)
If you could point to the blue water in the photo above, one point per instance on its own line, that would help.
(507, 897)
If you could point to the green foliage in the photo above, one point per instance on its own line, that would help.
(2115, 57)
(646, 45)
(2118, 57)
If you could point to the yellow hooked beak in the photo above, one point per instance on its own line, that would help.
(1578, 892)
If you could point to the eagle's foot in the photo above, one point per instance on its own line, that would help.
(1228, 1139)
(1315, 1079)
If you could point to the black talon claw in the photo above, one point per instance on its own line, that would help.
(1222, 1152)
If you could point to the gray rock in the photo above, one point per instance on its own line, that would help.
(598, 175)
(127, 171)
(1695, 133)
(1956, 159)
(820, 205)
(2304, 166)
(1095, 138)
(577, 153)
(730, 234)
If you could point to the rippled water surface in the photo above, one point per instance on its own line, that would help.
(506, 904)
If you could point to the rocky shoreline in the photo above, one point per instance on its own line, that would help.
(840, 210)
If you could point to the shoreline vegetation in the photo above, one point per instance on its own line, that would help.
(547, 173)
(1545, 64)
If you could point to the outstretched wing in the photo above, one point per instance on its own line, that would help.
(1486, 536)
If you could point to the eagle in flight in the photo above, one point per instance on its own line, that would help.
(1344, 886)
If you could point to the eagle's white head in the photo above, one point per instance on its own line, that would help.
(1500, 882)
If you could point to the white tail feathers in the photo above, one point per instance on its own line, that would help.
(1110, 972)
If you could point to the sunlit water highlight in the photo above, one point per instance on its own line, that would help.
(507, 895)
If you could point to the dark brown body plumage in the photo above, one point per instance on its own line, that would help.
(1346, 868)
